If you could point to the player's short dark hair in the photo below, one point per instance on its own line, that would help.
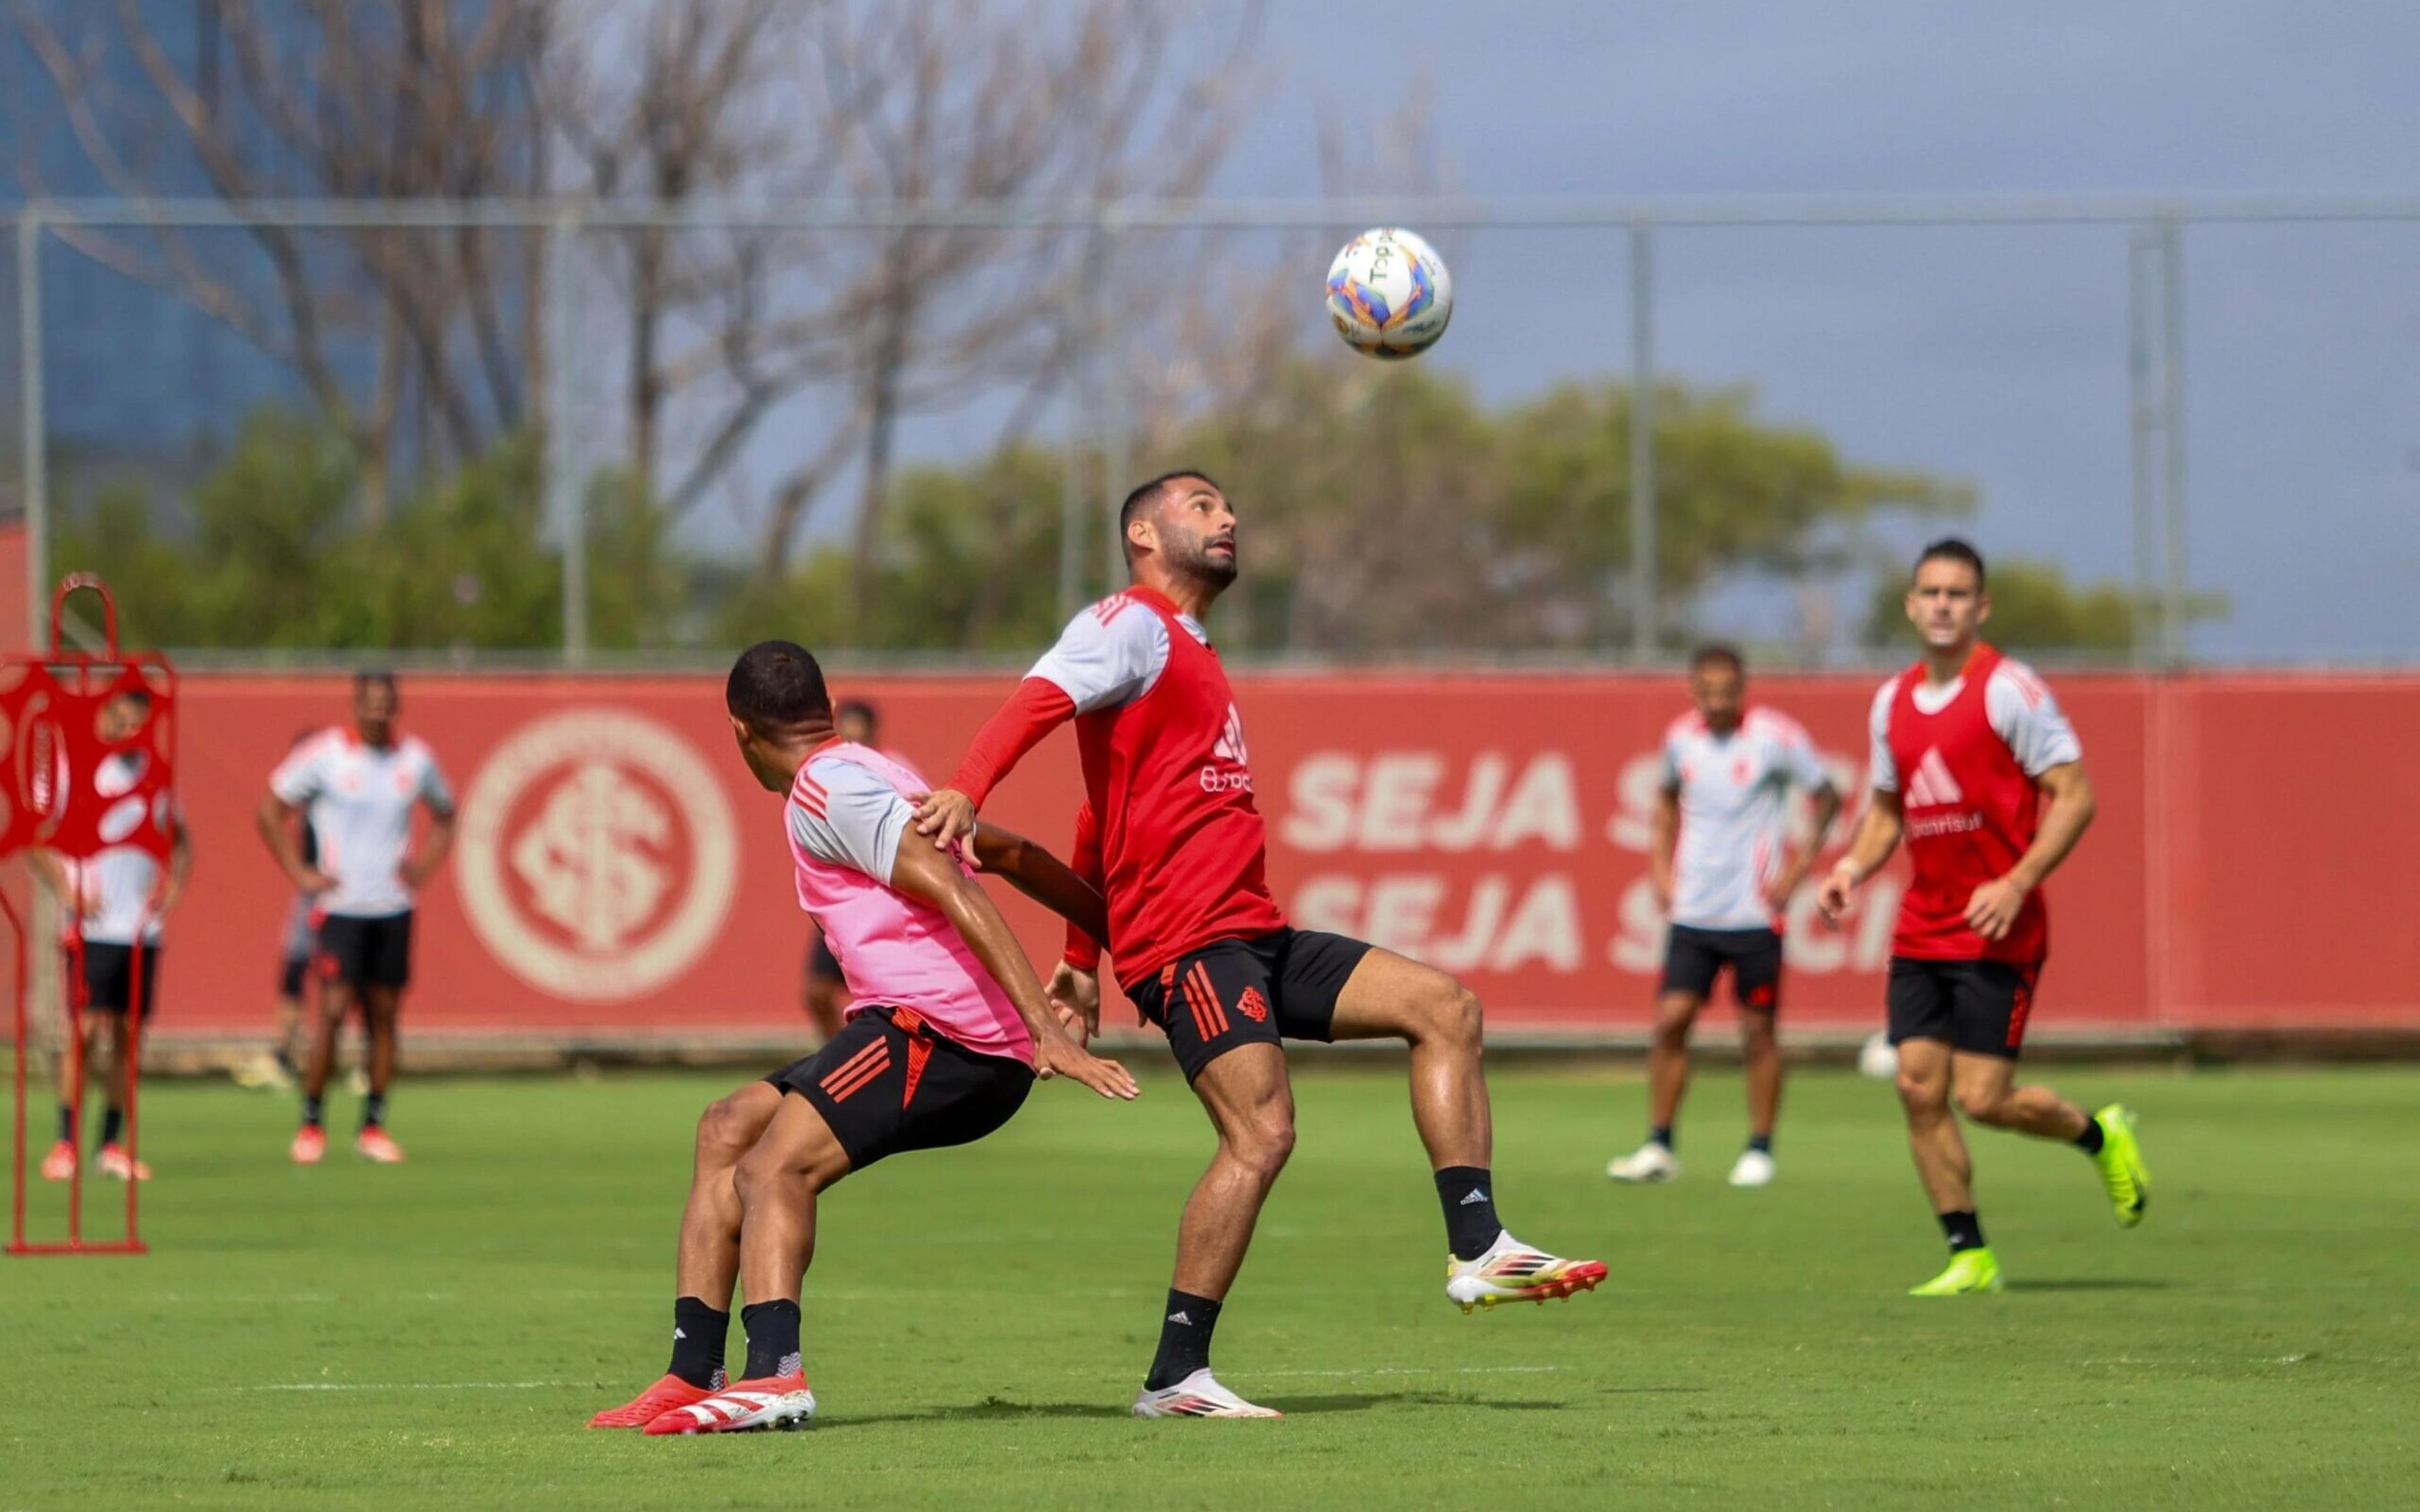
(776, 685)
(1148, 492)
(1953, 548)
(858, 708)
(1712, 652)
(369, 677)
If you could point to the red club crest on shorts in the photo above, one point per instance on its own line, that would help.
(1253, 1006)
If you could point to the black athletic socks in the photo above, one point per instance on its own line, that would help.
(698, 1334)
(373, 1111)
(315, 1112)
(67, 1125)
(1964, 1229)
(113, 1123)
(1761, 1144)
(1470, 1223)
(1184, 1339)
(2089, 1140)
(1661, 1135)
(772, 1340)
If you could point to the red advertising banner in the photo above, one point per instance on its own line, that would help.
(619, 875)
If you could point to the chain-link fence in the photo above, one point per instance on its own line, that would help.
(2184, 431)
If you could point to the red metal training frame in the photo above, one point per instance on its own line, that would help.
(50, 739)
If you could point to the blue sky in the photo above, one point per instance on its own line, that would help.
(1994, 354)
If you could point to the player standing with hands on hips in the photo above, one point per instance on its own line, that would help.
(358, 787)
(1723, 871)
(1975, 765)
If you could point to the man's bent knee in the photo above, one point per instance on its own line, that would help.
(1923, 1096)
(1264, 1146)
(1987, 1106)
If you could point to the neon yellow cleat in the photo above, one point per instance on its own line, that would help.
(1970, 1271)
(2124, 1175)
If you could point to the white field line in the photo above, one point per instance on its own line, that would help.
(1093, 1375)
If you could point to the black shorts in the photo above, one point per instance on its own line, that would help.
(1979, 1006)
(887, 1083)
(822, 965)
(109, 977)
(1249, 992)
(366, 952)
(1695, 957)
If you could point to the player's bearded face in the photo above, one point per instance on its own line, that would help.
(1198, 533)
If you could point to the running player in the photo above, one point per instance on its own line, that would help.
(1975, 766)
(1203, 948)
(360, 787)
(946, 1036)
(827, 991)
(1723, 871)
(117, 895)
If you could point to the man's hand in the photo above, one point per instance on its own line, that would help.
(172, 892)
(416, 873)
(946, 816)
(1662, 884)
(1838, 890)
(1079, 993)
(1056, 1057)
(1786, 883)
(311, 882)
(1993, 911)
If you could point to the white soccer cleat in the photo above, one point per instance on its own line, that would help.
(1753, 1168)
(1198, 1395)
(1512, 1271)
(1650, 1162)
(779, 1402)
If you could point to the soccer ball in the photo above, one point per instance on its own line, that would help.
(1878, 1058)
(1390, 294)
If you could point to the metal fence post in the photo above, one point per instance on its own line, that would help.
(2172, 299)
(36, 461)
(2142, 419)
(565, 500)
(1645, 614)
(1117, 457)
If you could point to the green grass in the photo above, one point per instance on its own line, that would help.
(977, 1319)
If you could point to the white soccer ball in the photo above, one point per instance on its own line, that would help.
(1878, 1058)
(1390, 294)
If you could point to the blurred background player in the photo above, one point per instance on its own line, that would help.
(951, 1032)
(116, 895)
(1723, 871)
(1203, 948)
(280, 1066)
(1975, 765)
(358, 788)
(826, 986)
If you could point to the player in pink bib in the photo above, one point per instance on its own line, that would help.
(946, 1031)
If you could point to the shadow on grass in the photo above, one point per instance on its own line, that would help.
(994, 1409)
(2096, 1283)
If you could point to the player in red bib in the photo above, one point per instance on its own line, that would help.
(1204, 951)
(1976, 769)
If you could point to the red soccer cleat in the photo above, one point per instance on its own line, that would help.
(115, 1162)
(781, 1402)
(668, 1394)
(60, 1162)
(373, 1144)
(310, 1143)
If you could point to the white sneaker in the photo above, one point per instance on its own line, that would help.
(1650, 1162)
(1198, 1395)
(1753, 1168)
(1512, 1271)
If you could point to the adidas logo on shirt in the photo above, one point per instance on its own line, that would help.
(1933, 786)
(1231, 740)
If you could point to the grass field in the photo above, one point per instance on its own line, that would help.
(977, 1321)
